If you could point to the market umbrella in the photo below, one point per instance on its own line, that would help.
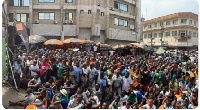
(118, 47)
(88, 42)
(135, 44)
(160, 51)
(98, 43)
(53, 42)
(33, 39)
(104, 47)
(73, 41)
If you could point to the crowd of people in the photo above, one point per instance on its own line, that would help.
(61, 79)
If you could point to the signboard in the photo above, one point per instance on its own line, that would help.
(22, 32)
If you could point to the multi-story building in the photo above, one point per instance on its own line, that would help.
(174, 30)
(108, 21)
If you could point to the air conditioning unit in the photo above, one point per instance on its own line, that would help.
(65, 21)
(36, 22)
(55, 22)
(132, 27)
(112, 8)
(98, 3)
(71, 21)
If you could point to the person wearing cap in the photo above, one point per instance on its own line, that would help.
(61, 99)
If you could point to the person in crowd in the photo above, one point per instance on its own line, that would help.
(35, 83)
(28, 99)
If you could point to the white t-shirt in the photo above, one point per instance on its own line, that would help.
(166, 93)
(95, 48)
(111, 53)
(117, 81)
(124, 107)
(126, 83)
(146, 106)
(123, 98)
(32, 67)
(97, 100)
(92, 72)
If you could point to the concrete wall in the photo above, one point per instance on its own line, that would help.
(46, 29)
(121, 35)
(84, 33)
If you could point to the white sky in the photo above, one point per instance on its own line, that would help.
(156, 8)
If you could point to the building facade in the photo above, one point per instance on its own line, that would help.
(108, 21)
(175, 30)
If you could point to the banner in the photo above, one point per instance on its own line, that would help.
(22, 32)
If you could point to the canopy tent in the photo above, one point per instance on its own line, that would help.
(33, 39)
(160, 51)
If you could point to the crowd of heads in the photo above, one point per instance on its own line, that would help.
(60, 79)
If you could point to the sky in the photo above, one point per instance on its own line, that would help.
(156, 8)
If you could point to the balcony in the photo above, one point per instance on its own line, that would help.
(130, 1)
(122, 14)
(46, 7)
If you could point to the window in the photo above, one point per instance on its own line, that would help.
(174, 33)
(68, 1)
(116, 21)
(195, 23)
(145, 36)
(116, 4)
(121, 22)
(125, 23)
(168, 23)
(194, 34)
(16, 2)
(190, 22)
(70, 16)
(89, 12)
(160, 34)
(155, 35)
(149, 35)
(121, 6)
(175, 21)
(167, 34)
(155, 25)
(19, 3)
(22, 17)
(190, 33)
(82, 11)
(145, 27)
(102, 13)
(47, 1)
(149, 26)
(161, 24)
(183, 21)
(125, 8)
(46, 16)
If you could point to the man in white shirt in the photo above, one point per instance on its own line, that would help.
(127, 82)
(92, 73)
(33, 69)
(123, 98)
(128, 105)
(77, 103)
(149, 105)
(95, 48)
(111, 52)
(117, 83)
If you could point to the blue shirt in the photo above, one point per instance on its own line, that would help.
(102, 84)
(78, 72)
